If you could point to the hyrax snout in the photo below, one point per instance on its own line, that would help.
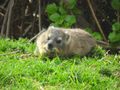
(65, 42)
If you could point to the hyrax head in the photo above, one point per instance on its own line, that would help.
(56, 39)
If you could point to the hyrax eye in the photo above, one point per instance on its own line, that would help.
(48, 38)
(58, 41)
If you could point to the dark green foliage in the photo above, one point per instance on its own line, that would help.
(59, 15)
(51, 8)
(11, 45)
(114, 36)
(97, 51)
(105, 71)
(116, 4)
(96, 35)
(69, 20)
(116, 27)
(70, 4)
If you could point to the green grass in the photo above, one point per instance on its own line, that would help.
(20, 71)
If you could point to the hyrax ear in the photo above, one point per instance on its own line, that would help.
(51, 27)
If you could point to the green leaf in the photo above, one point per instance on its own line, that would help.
(72, 4)
(70, 19)
(54, 17)
(51, 8)
(97, 36)
(62, 10)
(61, 20)
(116, 4)
(89, 30)
(114, 37)
(116, 27)
(66, 25)
(57, 19)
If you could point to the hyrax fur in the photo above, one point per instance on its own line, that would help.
(65, 42)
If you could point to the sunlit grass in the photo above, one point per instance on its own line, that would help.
(23, 71)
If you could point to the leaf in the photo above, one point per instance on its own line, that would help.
(116, 27)
(62, 10)
(61, 20)
(57, 18)
(72, 4)
(51, 8)
(70, 19)
(97, 36)
(89, 30)
(66, 25)
(54, 17)
(116, 4)
(114, 37)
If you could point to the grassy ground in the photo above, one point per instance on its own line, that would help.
(18, 71)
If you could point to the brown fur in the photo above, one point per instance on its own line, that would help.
(74, 42)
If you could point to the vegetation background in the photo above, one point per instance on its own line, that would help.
(25, 18)
(21, 70)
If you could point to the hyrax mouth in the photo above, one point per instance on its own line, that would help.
(54, 50)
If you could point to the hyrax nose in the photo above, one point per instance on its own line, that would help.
(50, 46)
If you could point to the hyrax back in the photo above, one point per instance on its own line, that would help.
(64, 42)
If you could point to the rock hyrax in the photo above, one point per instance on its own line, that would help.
(65, 42)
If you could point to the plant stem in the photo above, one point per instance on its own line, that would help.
(96, 20)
